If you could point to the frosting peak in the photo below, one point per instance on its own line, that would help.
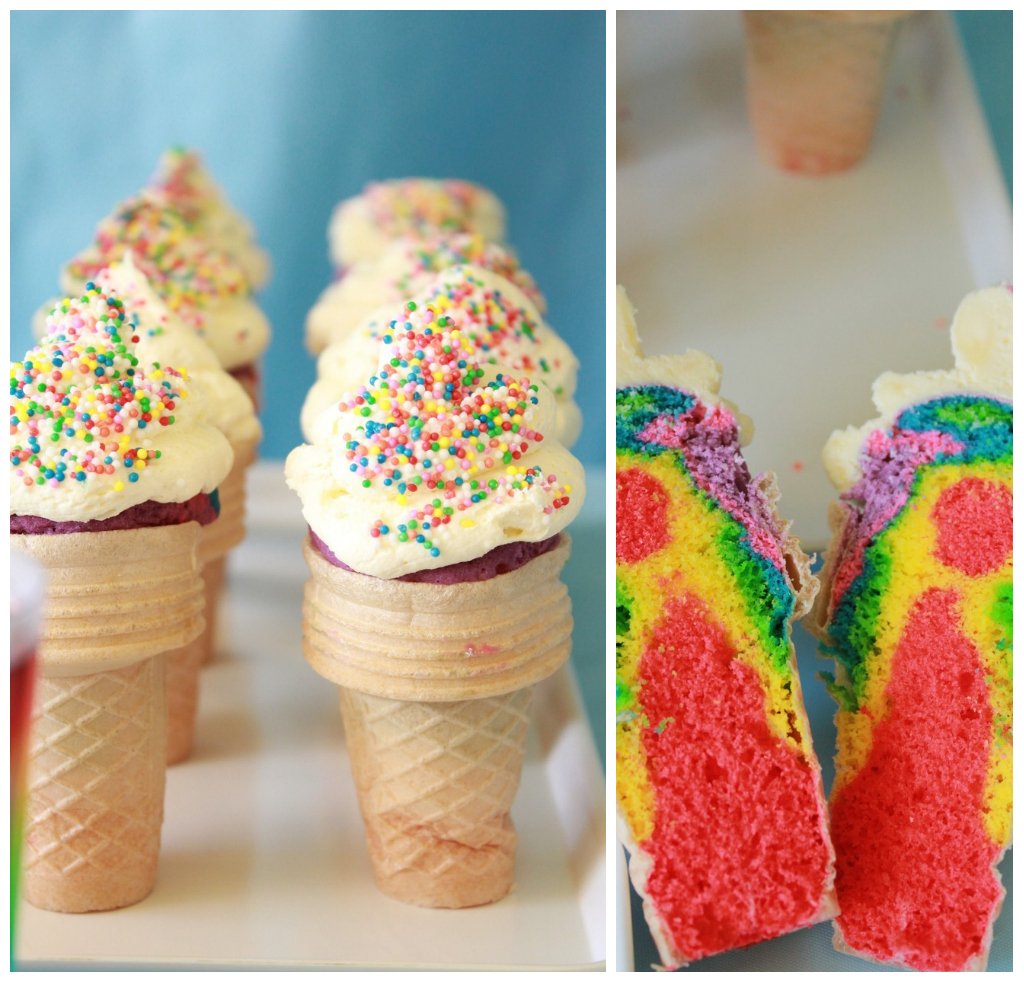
(184, 184)
(199, 282)
(362, 227)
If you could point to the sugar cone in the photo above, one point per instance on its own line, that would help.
(815, 81)
(436, 782)
(435, 690)
(183, 665)
(115, 601)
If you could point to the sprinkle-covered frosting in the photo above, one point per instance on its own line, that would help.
(402, 272)
(93, 430)
(183, 183)
(165, 339)
(198, 282)
(188, 188)
(435, 460)
(362, 227)
(494, 318)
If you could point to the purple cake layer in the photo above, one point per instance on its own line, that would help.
(147, 514)
(502, 559)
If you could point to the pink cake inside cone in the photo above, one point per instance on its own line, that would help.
(203, 508)
(502, 559)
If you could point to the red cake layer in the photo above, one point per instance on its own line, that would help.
(641, 515)
(146, 514)
(738, 851)
(915, 863)
(975, 525)
(501, 559)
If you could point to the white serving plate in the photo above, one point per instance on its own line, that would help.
(263, 862)
(804, 289)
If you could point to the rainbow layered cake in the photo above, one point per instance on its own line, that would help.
(719, 793)
(916, 609)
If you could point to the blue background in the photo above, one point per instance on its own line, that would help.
(295, 111)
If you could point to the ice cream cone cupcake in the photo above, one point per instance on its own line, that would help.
(363, 227)
(112, 471)
(497, 318)
(815, 81)
(183, 182)
(436, 512)
(406, 267)
(165, 339)
(198, 282)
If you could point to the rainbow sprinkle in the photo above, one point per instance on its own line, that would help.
(437, 252)
(80, 404)
(187, 273)
(420, 205)
(183, 181)
(500, 332)
(430, 425)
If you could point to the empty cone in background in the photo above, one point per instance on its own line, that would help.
(436, 681)
(815, 84)
(98, 734)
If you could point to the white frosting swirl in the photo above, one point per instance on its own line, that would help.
(406, 267)
(200, 283)
(982, 340)
(187, 186)
(435, 460)
(164, 339)
(96, 430)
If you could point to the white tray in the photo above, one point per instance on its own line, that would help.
(263, 861)
(804, 289)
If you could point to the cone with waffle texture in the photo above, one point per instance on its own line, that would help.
(96, 769)
(815, 82)
(435, 692)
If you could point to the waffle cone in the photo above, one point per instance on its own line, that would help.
(436, 684)
(114, 598)
(437, 643)
(815, 82)
(436, 782)
(115, 602)
(95, 788)
(183, 667)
